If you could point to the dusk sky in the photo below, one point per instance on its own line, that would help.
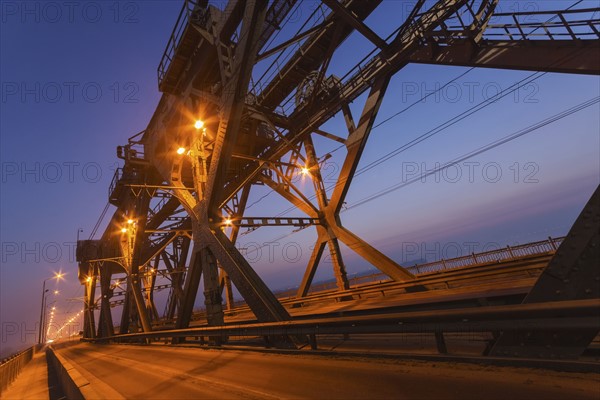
(78, 80)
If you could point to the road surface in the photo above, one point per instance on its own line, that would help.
(183, 372)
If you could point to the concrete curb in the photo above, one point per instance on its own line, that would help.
(73, 384)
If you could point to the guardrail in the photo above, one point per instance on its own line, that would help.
(555, 316)
(11, 367)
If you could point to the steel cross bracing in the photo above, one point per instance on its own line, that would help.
(182, 212)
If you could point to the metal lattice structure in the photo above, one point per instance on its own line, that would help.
(178, 215)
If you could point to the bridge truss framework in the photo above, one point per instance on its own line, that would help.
(182, 193)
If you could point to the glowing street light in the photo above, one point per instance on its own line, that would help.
(130, 221)
(181, 150)
(304, 171)
(199, 124)
(57, 276)
(123, 230)
(228, 221)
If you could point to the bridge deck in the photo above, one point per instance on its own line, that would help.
(199, 373)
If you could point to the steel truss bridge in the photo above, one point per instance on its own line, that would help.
(218, 132)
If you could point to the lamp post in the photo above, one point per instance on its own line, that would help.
(47, 325)
(43, 340)
(57, 276)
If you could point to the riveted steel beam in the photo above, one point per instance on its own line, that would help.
(571, 275)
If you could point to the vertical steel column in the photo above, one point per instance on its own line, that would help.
(177, 275)
(128, 313)
(207, 233)
(149, 281)
(190, 289)
(212, 289)
(142, 204)
(225, 281)
(105, 321)
(89, 325)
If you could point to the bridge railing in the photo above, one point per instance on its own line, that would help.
(115, 179)
(535, 25)
(545, 25)
(505, 254)
(529, 25)
(11, 367)
(186, 14)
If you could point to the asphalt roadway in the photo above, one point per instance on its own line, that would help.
(148, 372)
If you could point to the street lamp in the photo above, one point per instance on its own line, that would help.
(56, 276)
(47, 324)
(304, 170)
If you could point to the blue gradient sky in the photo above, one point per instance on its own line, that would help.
(69, 144)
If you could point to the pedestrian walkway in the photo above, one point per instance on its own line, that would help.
(32, 382)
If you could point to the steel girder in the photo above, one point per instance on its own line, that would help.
(564, 56)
